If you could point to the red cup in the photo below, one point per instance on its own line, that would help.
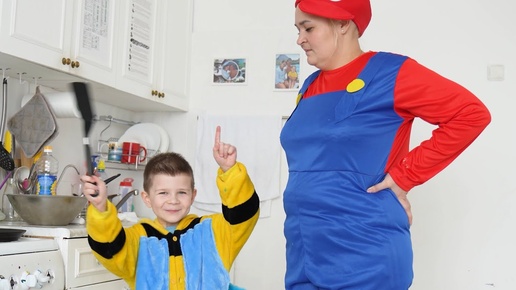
(133, 152)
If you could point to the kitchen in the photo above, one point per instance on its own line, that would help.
(459, 235)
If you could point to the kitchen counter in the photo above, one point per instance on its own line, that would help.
(70, 231)
(67, 232)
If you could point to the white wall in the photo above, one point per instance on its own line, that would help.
(463, 218)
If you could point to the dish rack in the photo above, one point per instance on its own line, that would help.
(138, 165)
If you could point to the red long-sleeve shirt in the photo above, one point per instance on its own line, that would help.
(419, 92)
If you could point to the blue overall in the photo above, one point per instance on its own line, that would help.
(337, 145)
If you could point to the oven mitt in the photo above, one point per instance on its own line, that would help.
(34, 125)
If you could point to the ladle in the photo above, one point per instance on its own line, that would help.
(21, 178)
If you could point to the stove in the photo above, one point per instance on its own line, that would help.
(31, 263)
(60, 253)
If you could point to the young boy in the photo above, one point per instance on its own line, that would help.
(177, 250)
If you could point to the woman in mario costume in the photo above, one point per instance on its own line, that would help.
(347, 145)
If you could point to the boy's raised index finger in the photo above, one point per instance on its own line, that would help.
(217, 135)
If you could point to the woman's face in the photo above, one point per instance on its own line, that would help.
(318, 37)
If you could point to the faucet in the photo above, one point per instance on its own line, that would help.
(62, 173)
(133, 192)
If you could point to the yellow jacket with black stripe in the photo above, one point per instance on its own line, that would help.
(116, 247)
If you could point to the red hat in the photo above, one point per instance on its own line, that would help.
(359, 11)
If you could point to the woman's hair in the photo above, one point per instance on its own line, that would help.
(168, 163)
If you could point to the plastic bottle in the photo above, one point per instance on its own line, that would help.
(46, 169)
(126, 185)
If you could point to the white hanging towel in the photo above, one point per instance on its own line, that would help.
(258, 148)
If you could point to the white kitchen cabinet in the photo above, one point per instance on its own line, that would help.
(77, 37)
(83, 270)
(156, 49)
(135, 53)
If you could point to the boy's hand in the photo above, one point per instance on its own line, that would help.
(224, 154)
(94, 185)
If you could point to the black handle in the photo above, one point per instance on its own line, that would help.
(108, 180)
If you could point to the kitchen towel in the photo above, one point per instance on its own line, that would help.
(63, 104)
(258, 148)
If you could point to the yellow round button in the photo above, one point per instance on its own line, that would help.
(355, 85)
(174, 238)
(299, 96)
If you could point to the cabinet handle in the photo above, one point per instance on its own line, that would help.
(154, 92)
(65, 61)
(75, 64)
(161, 95)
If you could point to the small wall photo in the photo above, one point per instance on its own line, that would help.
(229, 71)
(286, 76)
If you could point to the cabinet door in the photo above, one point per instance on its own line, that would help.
(94, 40)
(156, 49)
(138, 47)
(82, 268)
(37, 30)
(71, 36)
(172, 76)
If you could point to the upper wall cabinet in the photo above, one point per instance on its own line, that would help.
(76, 36)
(135, 51)
(156, 49)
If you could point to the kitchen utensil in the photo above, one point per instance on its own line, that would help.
(10, 235)
(7, 176)
(83, 103)
(6, 161)
(23, 180)
(47, 210)
(34, 124)
(108, 180)
(9, 173)
(8, 141)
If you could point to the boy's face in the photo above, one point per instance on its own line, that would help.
(170, 198)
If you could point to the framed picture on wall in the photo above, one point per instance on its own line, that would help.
(286, 71)
(229, 71)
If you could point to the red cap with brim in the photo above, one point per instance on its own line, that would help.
(359, 11)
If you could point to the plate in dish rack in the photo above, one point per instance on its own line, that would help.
(147, 134)
(165, 140)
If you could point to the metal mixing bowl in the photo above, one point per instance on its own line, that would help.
(47, 210)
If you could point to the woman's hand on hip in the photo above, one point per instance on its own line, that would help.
(388, 182)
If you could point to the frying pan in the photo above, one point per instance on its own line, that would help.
(10, 235)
